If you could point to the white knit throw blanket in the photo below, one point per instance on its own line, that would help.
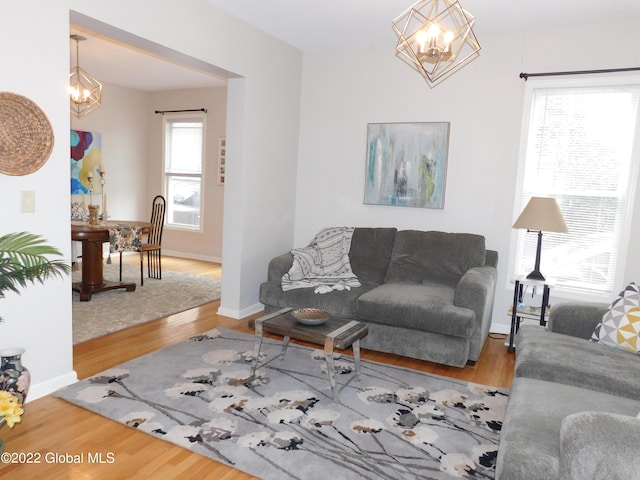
(324, 264)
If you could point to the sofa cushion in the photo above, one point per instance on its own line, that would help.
(620, 325)
(575, 361)
(427, 308)
(434, 257)
(371, 252)
(341, 304)
(599, 446)
(530, 436)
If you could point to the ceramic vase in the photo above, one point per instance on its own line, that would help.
(15, 377)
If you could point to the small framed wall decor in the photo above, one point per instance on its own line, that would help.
(222, 157)
(406, 164)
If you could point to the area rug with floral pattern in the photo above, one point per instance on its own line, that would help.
(284, 424)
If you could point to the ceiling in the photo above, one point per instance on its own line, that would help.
(333, 24)
(338, 24)
(120, 64)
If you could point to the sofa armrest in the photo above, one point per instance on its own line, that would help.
(475, 288)
(576, 319)
(279, 265)
(599, 445)
(476, 291)
(491, 259)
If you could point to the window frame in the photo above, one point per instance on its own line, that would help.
(629, 194)
(168, 118)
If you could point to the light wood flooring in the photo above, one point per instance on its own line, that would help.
(52, 428)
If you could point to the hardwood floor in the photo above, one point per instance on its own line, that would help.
(54, 431)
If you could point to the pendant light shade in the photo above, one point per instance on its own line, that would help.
(85, 92)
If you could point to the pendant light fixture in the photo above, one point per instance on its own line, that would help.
(435, 37)
(85, 92)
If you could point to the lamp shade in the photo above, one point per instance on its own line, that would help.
(541, 214)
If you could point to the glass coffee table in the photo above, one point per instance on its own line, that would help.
(335, 333)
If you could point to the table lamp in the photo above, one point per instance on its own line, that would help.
(541, 214)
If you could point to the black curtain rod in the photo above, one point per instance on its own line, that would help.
(577, 72)
(181, 111)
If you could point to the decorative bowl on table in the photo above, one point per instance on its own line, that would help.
(311, 316)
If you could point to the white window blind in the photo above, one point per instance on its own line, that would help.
(183, 167)
(579, 150)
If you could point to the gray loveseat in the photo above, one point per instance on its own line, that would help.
(573, 404)
(423, 294)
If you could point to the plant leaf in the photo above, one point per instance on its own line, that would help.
(23, 260)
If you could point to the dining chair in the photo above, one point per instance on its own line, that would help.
(153, 245)
(125, 239)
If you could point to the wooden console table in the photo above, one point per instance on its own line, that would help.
(92, 238)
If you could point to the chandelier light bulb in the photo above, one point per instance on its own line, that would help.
(448, 36)
(433, 53)
(421, 38)
(434, 31)
(446, 53)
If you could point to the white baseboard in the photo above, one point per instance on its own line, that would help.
(191, 256)
(500, 328)
(240, 314)
(45, 388)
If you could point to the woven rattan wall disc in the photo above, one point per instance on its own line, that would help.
(26, 136)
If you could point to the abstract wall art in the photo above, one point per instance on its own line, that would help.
(86, 157)
(406, 164)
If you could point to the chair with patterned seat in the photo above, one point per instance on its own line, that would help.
(124, 238)
(153, 245)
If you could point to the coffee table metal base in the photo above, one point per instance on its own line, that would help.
(340, 334)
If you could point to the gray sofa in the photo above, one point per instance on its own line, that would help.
(573, 405)
(423, 294)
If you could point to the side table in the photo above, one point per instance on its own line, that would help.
(519, 310)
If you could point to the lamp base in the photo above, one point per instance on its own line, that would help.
(536, 275)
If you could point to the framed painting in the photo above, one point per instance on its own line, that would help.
(406, 164)
(86, 157)
(222, 159)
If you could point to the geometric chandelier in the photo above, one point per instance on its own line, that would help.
(85, 92)
(435, 37)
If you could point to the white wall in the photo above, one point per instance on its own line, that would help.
(343, 91)
(122, 121)
(40, 318)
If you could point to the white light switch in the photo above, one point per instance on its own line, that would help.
(28, 204)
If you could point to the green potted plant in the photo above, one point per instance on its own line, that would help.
(24, 259)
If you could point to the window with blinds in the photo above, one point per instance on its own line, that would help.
(183, 169)
(579, 149)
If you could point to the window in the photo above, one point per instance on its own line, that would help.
(183, 169)
(579, 144)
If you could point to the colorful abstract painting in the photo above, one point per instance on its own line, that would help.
(406, 164)
(86, 157)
